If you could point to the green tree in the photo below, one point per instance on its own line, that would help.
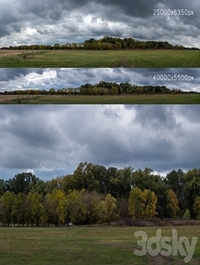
(52, 91)
(84, 177)
(21, 182)
(35, 208)
(120, 182)
(67, 183)
(8, 207)
(2, 187)
(56, 46)
(49, 210)
(93, 200)
(196, 207)
(100, 173)
(53, 184)
(40, 187)
(21, 205)
(191, 189)
(76, 210)
(74, 46)
(174, 180)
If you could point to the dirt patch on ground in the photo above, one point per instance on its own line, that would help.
(7, 99)
(158, 260)
(5, 53)
(154, 222)
(123, 61)
(162, 260)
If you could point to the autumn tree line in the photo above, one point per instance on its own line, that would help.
(106, 43)
(113, 88)
(95, 194)
(102, 88)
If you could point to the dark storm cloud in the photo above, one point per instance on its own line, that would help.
(23, 160)
(26, 133)
(124, 149)
(30, 136)
(149, 116)
(55, 139)
(144, 9)
(133, 8)
(9, 17)
(25, 22)
(36, 78)
(7, 74)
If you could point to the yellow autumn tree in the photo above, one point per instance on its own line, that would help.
(55, 207)
(109, 209)
(150, 201)
(172, 207)
(142, 204)
(136, 203)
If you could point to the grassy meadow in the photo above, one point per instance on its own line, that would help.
(85, 245)
(104, 58)
(92, 99)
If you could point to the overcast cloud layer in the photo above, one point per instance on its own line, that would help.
(58, 78)
(52, 140)
(65, 21)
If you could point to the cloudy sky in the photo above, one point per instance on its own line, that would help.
(52, 140)
(38, 78)
(65, 21)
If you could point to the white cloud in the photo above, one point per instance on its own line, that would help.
(57, 78)
(50, 22)
(30, 171)
(49, 139)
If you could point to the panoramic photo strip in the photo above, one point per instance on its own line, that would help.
(82, 177)
(99, 132)
(100, 33)
(100, 86)
(51, 140)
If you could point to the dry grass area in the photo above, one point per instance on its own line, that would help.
(109, 99)
(104, 58)
(7, 99)
(85, 245)
(12, 53)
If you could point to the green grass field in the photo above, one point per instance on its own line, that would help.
(89, 58)
(115, 99)
(85, 245)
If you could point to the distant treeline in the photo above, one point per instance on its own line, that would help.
(102, 88)
(113, 88)
(110, 43)
(106, 43)
(96, 194)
